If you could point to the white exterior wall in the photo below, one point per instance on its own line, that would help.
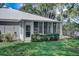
(32, 27)
(27, 39)
(43, 28)
(10, 29)
(58, 28)
(2, 28)
(21, 29)
(61, 31)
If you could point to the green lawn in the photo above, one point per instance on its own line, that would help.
(50, 48)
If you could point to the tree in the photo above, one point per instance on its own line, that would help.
(41, 9)
(61, 12)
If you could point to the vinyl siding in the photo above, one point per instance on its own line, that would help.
(9, 27)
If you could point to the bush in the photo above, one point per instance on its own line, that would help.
(48, 37)
(9, 37)
(34, 37)
(43, 38)
(0, 37)
(53, 37)
(77, 37)
(37, 38)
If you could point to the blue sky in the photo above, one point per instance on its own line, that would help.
(14, 5)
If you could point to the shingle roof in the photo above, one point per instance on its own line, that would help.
(12, 14)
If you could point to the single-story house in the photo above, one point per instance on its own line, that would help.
(26, 24)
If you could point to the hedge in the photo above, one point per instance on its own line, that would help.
(7, 37)
(47, 37)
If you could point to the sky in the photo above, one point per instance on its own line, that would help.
(14, 5)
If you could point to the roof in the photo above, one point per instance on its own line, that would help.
(12, 15)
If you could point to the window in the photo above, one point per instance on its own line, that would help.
(35, 27)
(49, 28)
(40, 27)
(45, 28)
(27, 30)
(54, 27)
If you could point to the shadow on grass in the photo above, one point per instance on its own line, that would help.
(38, 49)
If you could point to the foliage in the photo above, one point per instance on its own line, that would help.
(40, 9)
(53, 37)
(50, 10)
(7, 37)
(0, 37)
(37, 37)
(66, 10)
(68, 47)
(46, 37)
(70, 27)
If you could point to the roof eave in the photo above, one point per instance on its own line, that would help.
(40, 20)
(10, 20)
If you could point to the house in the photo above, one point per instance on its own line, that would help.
(26, 24)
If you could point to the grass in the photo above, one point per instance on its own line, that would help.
(50, 48)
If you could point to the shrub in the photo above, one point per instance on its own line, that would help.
(38, 38)
(35, 37)
(9, 37)
(44, 38)
(53, 37)
(0, 37)
(48, 37)
(77, 37)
